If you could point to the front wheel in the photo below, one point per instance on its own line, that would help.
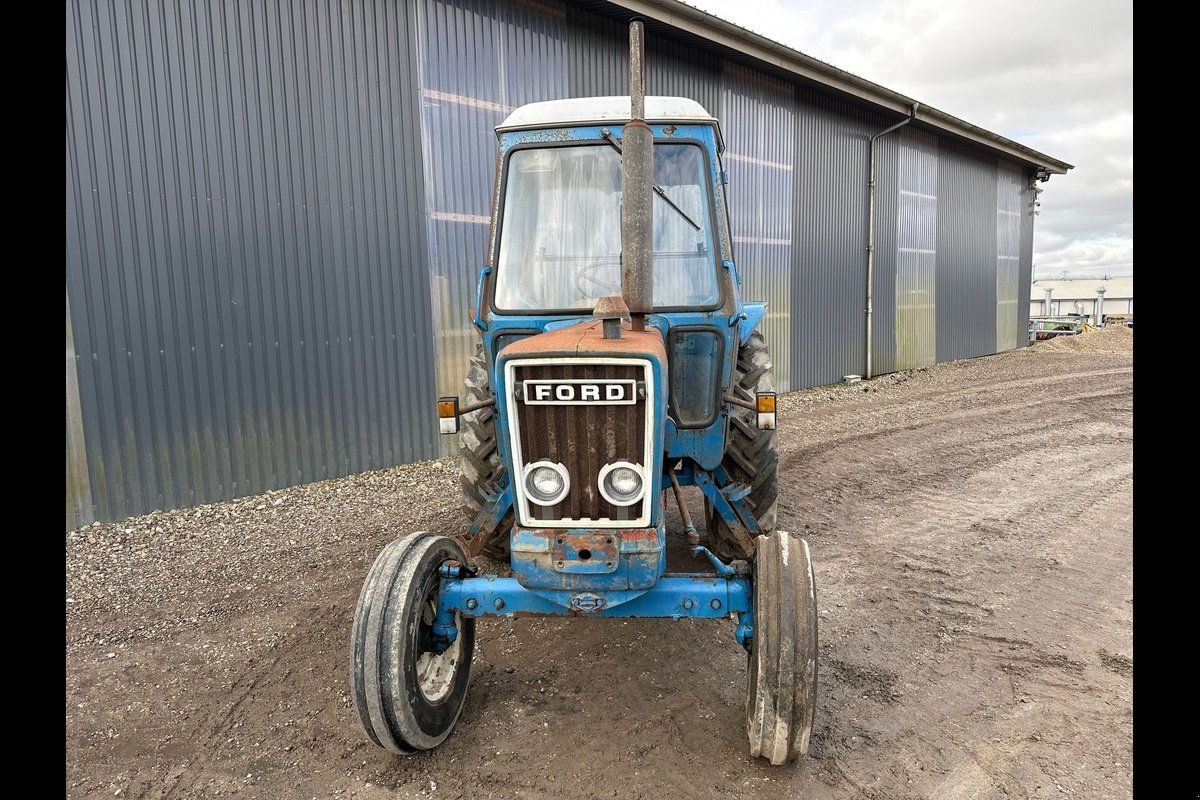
(408, 695)
(782, 681)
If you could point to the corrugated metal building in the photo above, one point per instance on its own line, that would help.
(276, 211)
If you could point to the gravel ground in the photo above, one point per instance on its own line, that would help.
(970, 526)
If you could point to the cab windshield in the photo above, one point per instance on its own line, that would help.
(560, 235)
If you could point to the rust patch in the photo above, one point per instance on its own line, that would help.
(587, 339)
(598, 546)
(647, 535)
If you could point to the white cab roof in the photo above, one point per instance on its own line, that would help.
(602, 110)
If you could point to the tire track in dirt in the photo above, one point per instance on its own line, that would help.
(955, 606)
(945, 502)
(210, 733)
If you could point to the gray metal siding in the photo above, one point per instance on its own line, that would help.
(478, 61)
(598, 55)
(243, 247)
(759, 116)
(79, 487)
(675, 70)
(887, 219)
(966, 254)
(829, 259)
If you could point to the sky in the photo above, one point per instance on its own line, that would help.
(1054, 75)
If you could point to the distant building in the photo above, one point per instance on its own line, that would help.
(1080, 296)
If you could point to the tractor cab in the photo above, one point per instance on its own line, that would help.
(556, 255)
(557, 245)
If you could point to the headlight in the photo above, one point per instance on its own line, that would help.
(621, 483)
(546, 483)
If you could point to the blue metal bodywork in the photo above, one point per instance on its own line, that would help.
(695, 595)
(629, 579)
(734, 319)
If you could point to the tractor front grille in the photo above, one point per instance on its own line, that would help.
(582, 437)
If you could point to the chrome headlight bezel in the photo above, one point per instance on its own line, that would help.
(611, 495)
(532, 493)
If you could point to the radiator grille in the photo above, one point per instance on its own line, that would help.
(583, 438)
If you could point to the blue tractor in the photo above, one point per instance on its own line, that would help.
(616, 362)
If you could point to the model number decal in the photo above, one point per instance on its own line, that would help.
(577, 392)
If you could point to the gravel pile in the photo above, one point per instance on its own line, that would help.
(1113, 340)
(244, 546)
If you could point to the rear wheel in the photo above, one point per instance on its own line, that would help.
(751, 455)
(782, 681)
(408, 695)
(479, 455)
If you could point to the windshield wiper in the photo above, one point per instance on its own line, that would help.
(606, 134)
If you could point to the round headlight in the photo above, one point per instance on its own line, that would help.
(546, 483)
(621, 483)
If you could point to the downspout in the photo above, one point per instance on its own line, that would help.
(871, 238)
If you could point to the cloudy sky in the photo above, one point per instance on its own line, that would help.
(1055, 75)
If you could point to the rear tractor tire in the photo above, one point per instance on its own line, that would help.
(479, 455)
(407, 694)
(751, 455)
(782, 679)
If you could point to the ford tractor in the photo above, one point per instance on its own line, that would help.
(616, 363)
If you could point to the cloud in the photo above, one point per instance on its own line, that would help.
(1057, 77)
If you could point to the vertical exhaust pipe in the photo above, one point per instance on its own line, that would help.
(637, 178)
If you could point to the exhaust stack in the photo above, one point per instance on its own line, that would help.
(637, 178)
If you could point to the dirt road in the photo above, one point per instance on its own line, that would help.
(971, 528)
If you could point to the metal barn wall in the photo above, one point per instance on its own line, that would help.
(1008, 257)
(478, 61)
(887, 222)
(796, 161)
(245, 251)
(79, 487)
(276, 214)
(916, 251)
(829, 256)
(758, 115)
(598, 55)
(966, 254)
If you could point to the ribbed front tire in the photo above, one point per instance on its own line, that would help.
(782, 680)
(407, 694)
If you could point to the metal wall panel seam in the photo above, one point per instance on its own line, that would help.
(111, 479)
(326, 193)
(206, 87)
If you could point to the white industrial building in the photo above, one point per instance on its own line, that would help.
(1082, 296)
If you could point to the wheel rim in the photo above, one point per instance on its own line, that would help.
(436, 672)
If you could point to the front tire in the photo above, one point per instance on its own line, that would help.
(782, 680)
(408, 696)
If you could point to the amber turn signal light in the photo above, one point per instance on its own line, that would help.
(448, 414)
(765, 403)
